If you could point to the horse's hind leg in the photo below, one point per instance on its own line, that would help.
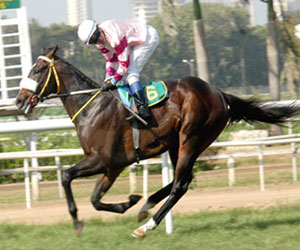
(188, 153)
(103, 184)
(90, 166)
(179, 188)
(160, 194)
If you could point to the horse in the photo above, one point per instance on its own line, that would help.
(185, 124)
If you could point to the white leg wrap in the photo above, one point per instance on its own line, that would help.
(150, 225)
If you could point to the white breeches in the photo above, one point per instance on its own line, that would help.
(140, 54)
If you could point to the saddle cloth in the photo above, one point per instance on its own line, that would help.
(155, 91)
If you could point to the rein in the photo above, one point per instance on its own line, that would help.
(86, 104)
(79, 92)
(53, 70)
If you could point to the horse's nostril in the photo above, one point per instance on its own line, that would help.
(19, 103)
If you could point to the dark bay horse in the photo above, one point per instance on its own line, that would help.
(185, 125)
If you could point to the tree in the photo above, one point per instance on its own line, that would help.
(199, 36)
(87, 58)
(291, 70)
(202, 60)
(223, 36)
(273, 52)
(169, 18)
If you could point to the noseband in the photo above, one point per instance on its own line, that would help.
(31, 84)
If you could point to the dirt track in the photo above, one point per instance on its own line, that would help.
(48, 212)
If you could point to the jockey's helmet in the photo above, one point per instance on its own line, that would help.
(88, 32)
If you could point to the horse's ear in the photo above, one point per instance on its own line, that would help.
(43, 51)
(52, 52)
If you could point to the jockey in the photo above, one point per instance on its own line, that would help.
(126, 45)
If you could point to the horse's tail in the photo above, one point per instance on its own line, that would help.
(250, 110)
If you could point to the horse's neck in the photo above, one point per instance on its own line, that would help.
(73, 81)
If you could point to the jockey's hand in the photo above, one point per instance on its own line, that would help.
(110, 83)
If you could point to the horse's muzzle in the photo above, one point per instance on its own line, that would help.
(25, 101)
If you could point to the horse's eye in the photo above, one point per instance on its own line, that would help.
(37, 71)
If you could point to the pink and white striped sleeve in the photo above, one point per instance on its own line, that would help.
(122, 53)
(111, 61)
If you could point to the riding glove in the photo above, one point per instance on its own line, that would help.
(110, 83)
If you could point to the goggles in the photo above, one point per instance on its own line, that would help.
(94, 37)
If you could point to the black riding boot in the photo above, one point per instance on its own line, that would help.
(140, 102)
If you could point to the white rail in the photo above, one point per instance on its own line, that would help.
(57, 153)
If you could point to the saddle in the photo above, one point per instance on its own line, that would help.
(156, 92)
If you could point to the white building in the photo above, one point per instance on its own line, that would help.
(294, 5)
(145, 10)
(78, 10)
(15, 52)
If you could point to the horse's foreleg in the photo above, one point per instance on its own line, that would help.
(88, 167)
(103, 184)
(153, 200)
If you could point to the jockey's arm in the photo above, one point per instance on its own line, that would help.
(124, 61)
(111, 61)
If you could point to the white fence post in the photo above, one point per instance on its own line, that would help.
(145, 180)
(171, 169)
(290, 128)
(166, 181)
(27, 183)
(294, 161)
(261, 168)
(58, 173)
(132, 178)
(231, 171)
(35, 175)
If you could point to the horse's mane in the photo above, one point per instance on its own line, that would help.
(82, 77)
(91, 84)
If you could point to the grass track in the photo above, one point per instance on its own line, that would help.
(271, 229)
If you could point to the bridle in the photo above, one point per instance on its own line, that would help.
(51, 69)
(34, 99)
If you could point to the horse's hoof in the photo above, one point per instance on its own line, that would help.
(142, 216)
(138, 233)
(133, 199)
(78, 228)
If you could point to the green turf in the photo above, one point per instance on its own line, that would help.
(273, 229)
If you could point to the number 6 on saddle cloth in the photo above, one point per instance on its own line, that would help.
(155, 91)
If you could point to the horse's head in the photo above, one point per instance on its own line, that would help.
(41, 81)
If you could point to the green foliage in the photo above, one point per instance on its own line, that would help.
(227, 34)
(15, 144)
(46, 140)
(228, 39)
(58, 140)
(87, 58)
